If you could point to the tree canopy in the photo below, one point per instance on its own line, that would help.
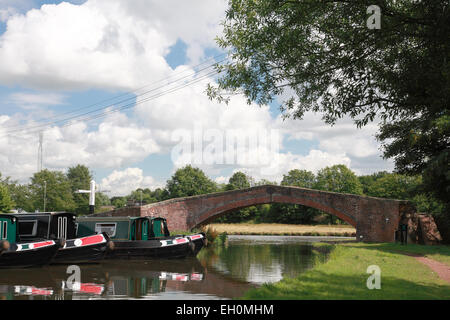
(189, 181)
(6, 203)
(321, 56)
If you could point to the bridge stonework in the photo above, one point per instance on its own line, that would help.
(375, 219)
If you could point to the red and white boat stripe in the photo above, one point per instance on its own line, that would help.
(173, 242)
(85, 241)
(34, 245)
(196, 236)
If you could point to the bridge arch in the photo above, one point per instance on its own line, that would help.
(219, 211)
(375, 219)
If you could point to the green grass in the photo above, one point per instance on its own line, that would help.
(439, 253)
(344, 276)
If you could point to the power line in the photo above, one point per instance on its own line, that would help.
(64, 120)
(72, 120)
(16, 128)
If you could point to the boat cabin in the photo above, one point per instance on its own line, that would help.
(45, 225)
(158, 228)
(8, 228)
(123, 228)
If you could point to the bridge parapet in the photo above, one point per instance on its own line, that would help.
(375, 219)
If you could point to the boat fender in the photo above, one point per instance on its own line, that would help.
(62, 243)
(5, 246)
(110, 245)
(192, 246)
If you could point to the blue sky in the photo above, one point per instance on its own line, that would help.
(80, 56)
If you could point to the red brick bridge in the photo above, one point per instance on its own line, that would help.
(375, 219)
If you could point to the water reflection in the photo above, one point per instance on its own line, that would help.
(216, 273)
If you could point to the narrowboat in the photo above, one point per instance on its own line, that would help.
(18, 254)
(137, 237)
(61, 225)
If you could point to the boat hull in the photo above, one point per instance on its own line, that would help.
(198, 240)
(150, 249)
(27, 255)
(89, 249)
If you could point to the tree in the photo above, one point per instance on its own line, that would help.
(395, 186)
(189, 181)
(322, 56)
(6, 203)
(54, 188)
(367, 180)
(80, 178)
(19, 194)
(294, 213)
(338, 178)
(238, 181)
(118, 202)
(299, 178)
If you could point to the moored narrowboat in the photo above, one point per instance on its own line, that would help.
(61, 226)
(15, 254)
(136, 238)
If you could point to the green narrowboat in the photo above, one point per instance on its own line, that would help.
(21, 254)
(137, 237)
(61, 225)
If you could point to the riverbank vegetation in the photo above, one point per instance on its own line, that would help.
(344, 275)
(284, 229)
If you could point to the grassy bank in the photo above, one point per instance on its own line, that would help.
(284, 229)
(344, 275)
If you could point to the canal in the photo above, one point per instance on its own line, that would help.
(218, 272)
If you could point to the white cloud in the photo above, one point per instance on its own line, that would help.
(121, 183)
(103, 43)
(121, 44)
(115, 143)
(30, 100)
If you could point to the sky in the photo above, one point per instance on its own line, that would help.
(119, 86)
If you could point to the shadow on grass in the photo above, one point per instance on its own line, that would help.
(318, 285)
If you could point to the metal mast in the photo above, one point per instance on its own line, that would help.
(40, 151)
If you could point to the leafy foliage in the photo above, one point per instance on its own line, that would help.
(189, 181)
(6, 203)
(321, 56)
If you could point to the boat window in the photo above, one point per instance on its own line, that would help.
(108, 228)
(5, 230)
(28, 228)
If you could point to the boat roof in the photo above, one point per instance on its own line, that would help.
(118, 218)
(30, 214)
(7, 216)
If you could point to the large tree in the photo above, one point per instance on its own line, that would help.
(189, 181)
(80, 179)
(294, 213)
(324, 56)
(6, 203)
(238, 180)
(53, 189)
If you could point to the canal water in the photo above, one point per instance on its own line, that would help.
(219, 272)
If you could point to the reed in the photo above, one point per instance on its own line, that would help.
(283, 229)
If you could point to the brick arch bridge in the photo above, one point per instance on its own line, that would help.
(375, 219)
